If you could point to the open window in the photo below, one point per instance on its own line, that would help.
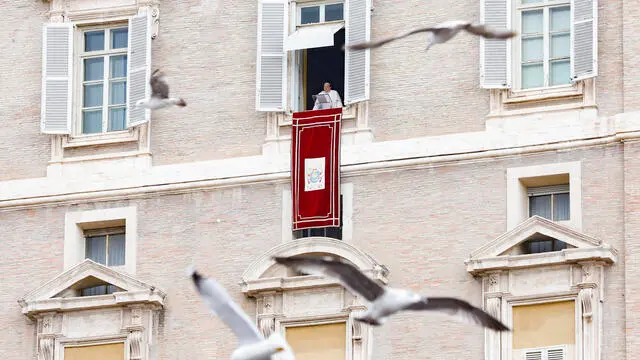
(300, 49)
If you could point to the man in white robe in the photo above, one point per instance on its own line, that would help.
(334, 97)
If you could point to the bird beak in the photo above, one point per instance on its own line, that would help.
(279, 349)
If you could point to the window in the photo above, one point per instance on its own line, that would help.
(295, 61)
(103, 59)
(557, 43)
(544, 331)
(320, 13)
(102, 69)
(539, 243)
(550, 202)
(318, 342)
(545, 44)
(106, 246)
(331, 232)
(113, 351)
(98, 290)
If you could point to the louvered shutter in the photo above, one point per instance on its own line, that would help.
(584, 39)
(533, 355)
(57, 67)
(138, 68)
(555, 354)
(271, 66)
(494, 53)
(357, 29)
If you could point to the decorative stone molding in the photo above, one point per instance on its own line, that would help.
(283, 300)
(512, 279)
(124, 316)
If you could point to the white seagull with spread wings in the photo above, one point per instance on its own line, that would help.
(385, 301)
(159, 94)
(252, 345)
(441, 33)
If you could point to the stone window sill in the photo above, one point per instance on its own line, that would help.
(101, 139)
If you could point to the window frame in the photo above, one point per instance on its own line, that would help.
(284, 324)
(516, 48)
(107, 232)
(78, 76)
(322, 5)
(553, 196)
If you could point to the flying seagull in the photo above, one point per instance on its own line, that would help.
(252, 345)
(159, 94)
(441, 33)
(385, 301)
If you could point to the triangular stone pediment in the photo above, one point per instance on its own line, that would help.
(506, 249)
(534, 227)
(66, 288)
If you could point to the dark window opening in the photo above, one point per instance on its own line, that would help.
(539, 243)
(325, 64)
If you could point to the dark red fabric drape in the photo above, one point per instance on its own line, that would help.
(315, 168)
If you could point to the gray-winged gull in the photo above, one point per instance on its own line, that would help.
(159, 94)
(441, 33)
(385, 301)
(251, 344)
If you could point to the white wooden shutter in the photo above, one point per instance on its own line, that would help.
(271, 65)
(357, 29)
(584, 39)
(138, 68)
(494, 53)
(555, 354)
(533, 355)
(57, 67)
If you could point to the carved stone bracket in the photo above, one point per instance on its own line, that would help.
(135, 345)
(45, 347)
(586, 300)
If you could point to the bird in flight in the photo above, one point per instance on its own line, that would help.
(251, 344)
(441, 33)
(385, 301)
(159, 94)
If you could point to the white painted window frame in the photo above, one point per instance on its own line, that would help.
(77, 222)
(63, 343)
(518, 199)
(346, 190)
(79, 56)
(516, 49)
(322, 5)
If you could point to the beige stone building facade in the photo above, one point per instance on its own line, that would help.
(502, 172)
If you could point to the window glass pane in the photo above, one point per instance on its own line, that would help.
(532, 49)
(309, 15)
(540, 205)
(560, 72)
(532, 75)
(117, 92)
(561, 207)
(559, 46)
(96, 249)
(92, 121)
(93, 69)
(333, 12)
(118, 66)
(92, 95)
(94, 40)
(117, 119)
(529, 1)
(532, 21)
(560, 18)
(116, 250)
(119, 38)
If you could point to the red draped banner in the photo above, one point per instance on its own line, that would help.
(315, 168)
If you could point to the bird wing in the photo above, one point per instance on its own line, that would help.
(159, 86)
(378, 43)
(221, 304)
(459, 309)
(348, 275)
(489, 32)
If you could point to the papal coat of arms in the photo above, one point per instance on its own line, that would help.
(314, 174)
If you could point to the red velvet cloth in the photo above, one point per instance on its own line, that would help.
(315, 168)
